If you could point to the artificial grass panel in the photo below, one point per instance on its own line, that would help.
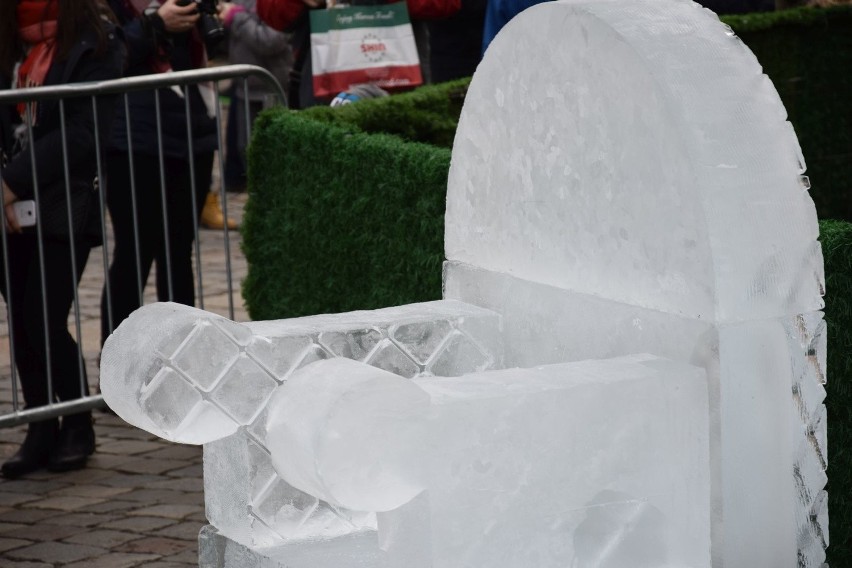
(807, 53)
(340, 220)
(429, 114)
(836, 238)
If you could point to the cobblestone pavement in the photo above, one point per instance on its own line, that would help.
(140, 501)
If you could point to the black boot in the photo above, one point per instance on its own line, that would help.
(76, 443)
(35, 452)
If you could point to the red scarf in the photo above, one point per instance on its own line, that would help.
(37, 25)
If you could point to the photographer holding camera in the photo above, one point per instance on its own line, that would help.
(161, 36)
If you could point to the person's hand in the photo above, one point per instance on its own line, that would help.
(178, 19)
(314, 3)
(9, 198)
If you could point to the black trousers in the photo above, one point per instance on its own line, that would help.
(172, 249)
(32, 339)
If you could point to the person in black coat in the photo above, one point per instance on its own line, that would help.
(161, 36)
(44, 43)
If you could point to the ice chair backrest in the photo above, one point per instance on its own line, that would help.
(638, 157)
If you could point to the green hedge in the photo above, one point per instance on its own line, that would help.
(340, 220)
(836, 237)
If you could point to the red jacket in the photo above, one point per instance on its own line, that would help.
(281, 14)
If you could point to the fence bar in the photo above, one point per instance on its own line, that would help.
(166, 241)
(51, 411)
(224, 199)
(102, 189)
(140, 280)
(194, 201)
(71, 242)
(40, 245)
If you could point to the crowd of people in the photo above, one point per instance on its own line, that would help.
(158, 149)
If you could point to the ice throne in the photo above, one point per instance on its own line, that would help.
(624, 181)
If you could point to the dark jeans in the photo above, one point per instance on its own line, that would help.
(28, 318)
(125, 281)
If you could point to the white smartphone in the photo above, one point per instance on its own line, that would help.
(25, 212)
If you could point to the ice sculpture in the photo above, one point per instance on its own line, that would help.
(623, 181)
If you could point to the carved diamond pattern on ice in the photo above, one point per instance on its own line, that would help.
(818, 436)
(279, 355)
(389, 357)
(459, 355)
(244, 389)
(205, 355)
(314, 353)
(169, 399)
(172, 343)
(809, 475)
(356, 344)
(807, 336)
(819, 518)
(421, 339)
(283, 508)
(260, 469)
(817, 351)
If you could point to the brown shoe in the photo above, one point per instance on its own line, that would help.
(212, 216)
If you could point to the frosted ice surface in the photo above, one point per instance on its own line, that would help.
(507, 491)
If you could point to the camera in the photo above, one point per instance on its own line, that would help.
(209, 27)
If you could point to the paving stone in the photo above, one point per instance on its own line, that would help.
(95, 491)
(85, 476)
(183, 484)
(37, 487)
(192, 471)
(12, 543)
(187, 556)
(64, 503)
(129, 447)
(176, 512)
(103, 538)
(176, 452)
(27, 516)
(158, 545)
(146, 465)
(55, 552)
(130, 480)
(81, 519)
(166, 564)
(138, 524)
(152, 496)
(11, 499)
(44, 532)
(9, 563)
(115, 560)
(4, 527)
(116, 507)
(184, 531)
(107, 461)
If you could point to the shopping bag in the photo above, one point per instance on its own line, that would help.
(363, 44)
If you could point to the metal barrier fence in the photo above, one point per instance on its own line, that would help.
(121, 88)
